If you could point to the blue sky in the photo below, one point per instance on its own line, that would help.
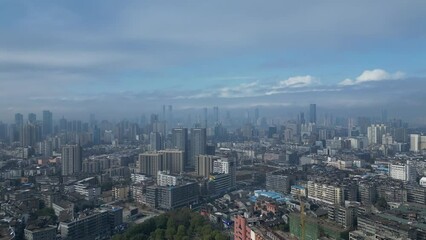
(83, 56)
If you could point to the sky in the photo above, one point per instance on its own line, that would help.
(127, 57)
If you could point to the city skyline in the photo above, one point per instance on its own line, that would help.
(75, 58)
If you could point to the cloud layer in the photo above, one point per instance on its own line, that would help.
(373, 75)
(75, 57)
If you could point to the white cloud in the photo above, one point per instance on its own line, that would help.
(372, 76)
(296, 82)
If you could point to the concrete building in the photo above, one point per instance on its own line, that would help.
(172, 197)
(174, 160)
(165, 179)
(71, 159)
(150, 163)
(326, 193)
(226, 166)
(219, 184)
(155, 141)
(198, 144)
(375, 133)
(180, 142)
(204, 165)
(35, 233)
(47, 123)
(241, 229)
(415, 142)
(344, 216)
(120, 192)
(404, 172)
(99, 224)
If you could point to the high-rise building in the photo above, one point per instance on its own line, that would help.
(414, 142)
(151, 163)
(71, 159)
(216, 114)
(32, 118)
(198, 144)
(404, 172)
(30, 134)
(47, 123)
(155, 141)
(173, 160)
(375, 133)
(313, 113)
(164, 178)
(226, 166)
(19, 119)
(204, 165)
(180, 142)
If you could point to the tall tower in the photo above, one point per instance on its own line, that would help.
(313, 113)
(71, 159)
(198, 144)
(32, 118)
(47, 123)
(180, 142)
(155, 141)
(19, 119)
(216, 114)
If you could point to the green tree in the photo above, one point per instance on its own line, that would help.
(159, 234)
(181, 232)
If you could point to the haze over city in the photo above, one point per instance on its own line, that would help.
(120, 60)
(218, 120)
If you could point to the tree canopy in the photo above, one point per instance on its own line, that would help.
(181, 224)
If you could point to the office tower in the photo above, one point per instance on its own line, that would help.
(150, 163)
(32, 118)
(180, 142)
(155, 141)
(71, 159)
(313, 113)
(256, 116)
(19, 119)
(204, 165)
(198, 144)
(47, 123)
(375, 133)
(216, 114)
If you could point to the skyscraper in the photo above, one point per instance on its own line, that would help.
(216, 114)
(180, 142)
(71, 159)
(155, 141)
(19, 119)
(32, 118)
(198, 144)
(313, 113)
(47, 123)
